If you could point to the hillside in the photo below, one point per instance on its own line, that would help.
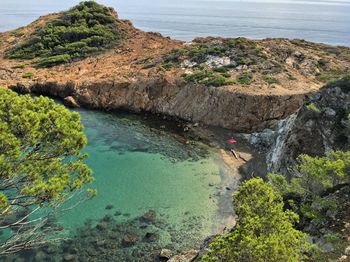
(239, 84)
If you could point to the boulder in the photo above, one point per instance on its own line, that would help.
(70, 102)
(216, 61)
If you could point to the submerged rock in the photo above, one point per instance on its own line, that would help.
(102, 226)
(108, 207)
(118, 213)
(149, 216)
(129, 240)
(151, 237)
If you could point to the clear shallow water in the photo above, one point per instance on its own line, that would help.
(316, 20)
(152, 186)
(138, 168)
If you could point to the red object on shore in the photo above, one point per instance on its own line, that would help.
(232, 141)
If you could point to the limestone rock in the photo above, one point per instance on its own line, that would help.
(216, 61)
(70, 102)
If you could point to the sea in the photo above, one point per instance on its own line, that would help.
(326, 21)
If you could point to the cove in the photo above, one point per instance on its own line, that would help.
(155, 190)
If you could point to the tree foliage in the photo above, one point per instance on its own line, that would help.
(264, 231)
(41, 165)
(314, 177)
(84, 30)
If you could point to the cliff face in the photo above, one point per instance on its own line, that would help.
(321, 125)
(195, 103)
(240, 84)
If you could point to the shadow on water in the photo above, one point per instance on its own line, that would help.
(142, 133)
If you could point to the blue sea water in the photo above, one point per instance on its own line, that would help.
(326, 21)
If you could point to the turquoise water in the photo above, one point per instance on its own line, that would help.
(142, 165)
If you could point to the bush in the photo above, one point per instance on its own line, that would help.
(167, 65)
(270, 80)
(20, 66)
(332, 75)
(86, 29)
(264, 230)
(27, 75)
(245, 78)
(313, 107)
(208, 78)
(343, 83)
(53, 60)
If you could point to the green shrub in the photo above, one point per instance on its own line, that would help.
(222, 69)
(86, 29)
(17, 33)
(20, 66)
(27, 75)
(343, 83)
(313, 107)
(167, 65)
(332, 75)
(208, 78)
(245, 78)
(270, 80)
(52, 61)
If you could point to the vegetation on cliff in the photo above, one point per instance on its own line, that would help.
(41, 166)
(86, 29)
(241, 61)
(213, 60)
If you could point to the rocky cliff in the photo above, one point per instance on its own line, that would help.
(321, 125)
(212, 106)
